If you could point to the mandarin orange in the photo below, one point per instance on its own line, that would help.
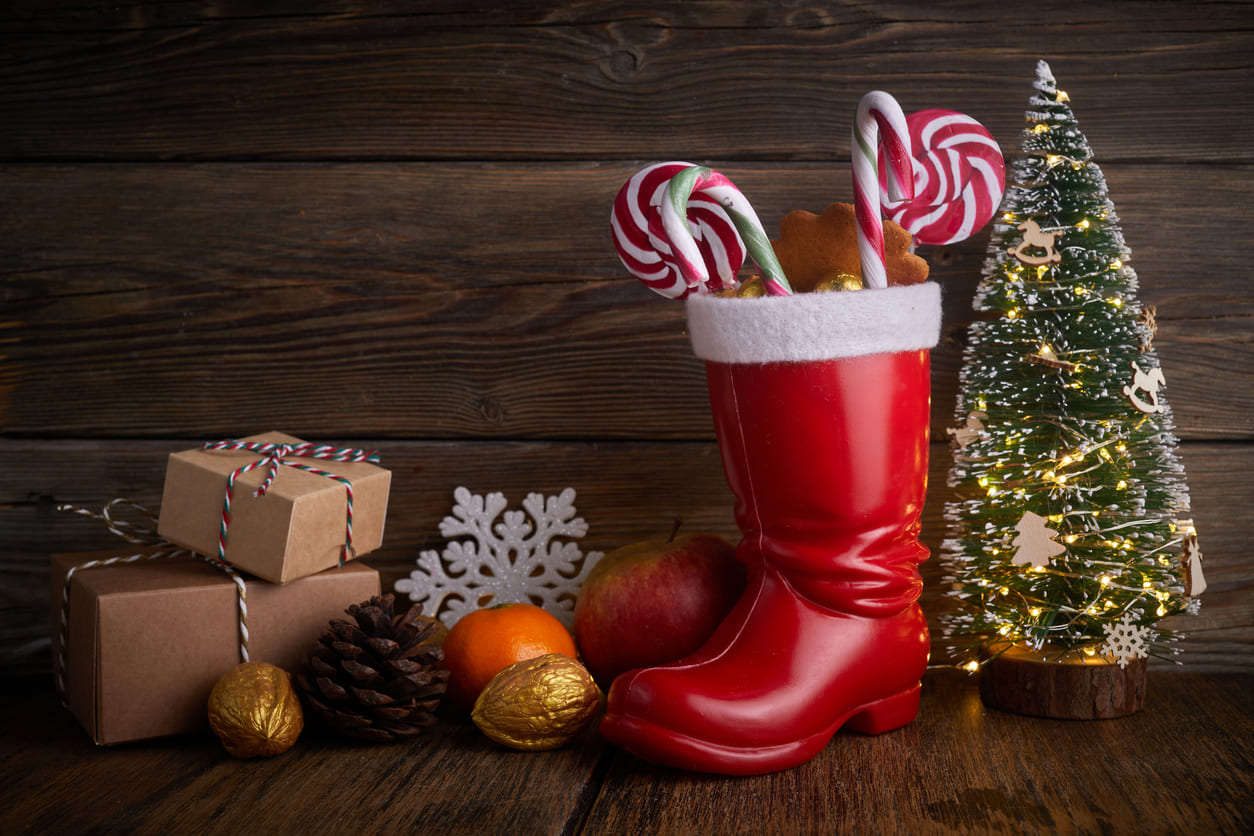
(486, 641)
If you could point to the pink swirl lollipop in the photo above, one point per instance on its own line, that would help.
(959, 178)
(645, 248)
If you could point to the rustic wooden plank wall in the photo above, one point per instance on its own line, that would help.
(385, 224)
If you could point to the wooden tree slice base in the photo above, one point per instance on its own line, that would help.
(1021, 681)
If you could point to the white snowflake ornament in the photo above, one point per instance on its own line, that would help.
(507, 562)
(1126, 642)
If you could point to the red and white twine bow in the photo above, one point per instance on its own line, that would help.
(273, 455)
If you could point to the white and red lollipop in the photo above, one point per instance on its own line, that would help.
(684, 229)
(643, 246)
(938, 173)
(959, 178)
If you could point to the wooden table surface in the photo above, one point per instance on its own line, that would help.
(1183, 765)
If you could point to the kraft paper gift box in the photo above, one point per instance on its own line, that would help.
(297, 528)
(147, 641)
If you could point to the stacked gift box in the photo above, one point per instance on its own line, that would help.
(147, 635)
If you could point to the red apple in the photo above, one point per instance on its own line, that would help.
(654, 602)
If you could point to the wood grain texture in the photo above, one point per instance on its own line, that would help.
(626, 491)
(451, 775)
(962, 768)
(1036, 684)
(385, 224)
(388, 221)
(153, 291)
(593, 81)
(1180, 766)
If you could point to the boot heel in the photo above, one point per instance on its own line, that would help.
(887, 714)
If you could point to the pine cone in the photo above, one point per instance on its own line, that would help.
(376, 678)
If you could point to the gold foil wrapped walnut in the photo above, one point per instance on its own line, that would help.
(254, 711)
(538, 704)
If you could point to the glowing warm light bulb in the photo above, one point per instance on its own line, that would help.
(1041, 129)
(1115, 302)
(1116, 264)
(1122, 486)
(971, 667)
(1062, 96)
(1084, 224)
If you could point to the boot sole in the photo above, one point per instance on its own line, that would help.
(658, 744)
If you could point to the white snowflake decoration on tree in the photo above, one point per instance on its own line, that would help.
(1126, 641)
(512, 561)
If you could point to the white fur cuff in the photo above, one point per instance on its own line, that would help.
(815, 326)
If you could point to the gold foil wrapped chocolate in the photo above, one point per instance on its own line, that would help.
(254, 711)
(839, 281)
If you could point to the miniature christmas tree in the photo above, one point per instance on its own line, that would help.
(1069, 536)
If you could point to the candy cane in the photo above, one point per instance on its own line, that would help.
(960, 177)
(705, 181)
(879, 121)
(645, 249)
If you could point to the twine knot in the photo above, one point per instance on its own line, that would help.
(272, 456)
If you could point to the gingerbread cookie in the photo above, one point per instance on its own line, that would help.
(817, 248)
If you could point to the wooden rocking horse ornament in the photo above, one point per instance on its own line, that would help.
(1035, 241)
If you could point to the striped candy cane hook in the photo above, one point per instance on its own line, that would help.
(880, 120)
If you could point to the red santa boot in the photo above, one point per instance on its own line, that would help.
(821, 405)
